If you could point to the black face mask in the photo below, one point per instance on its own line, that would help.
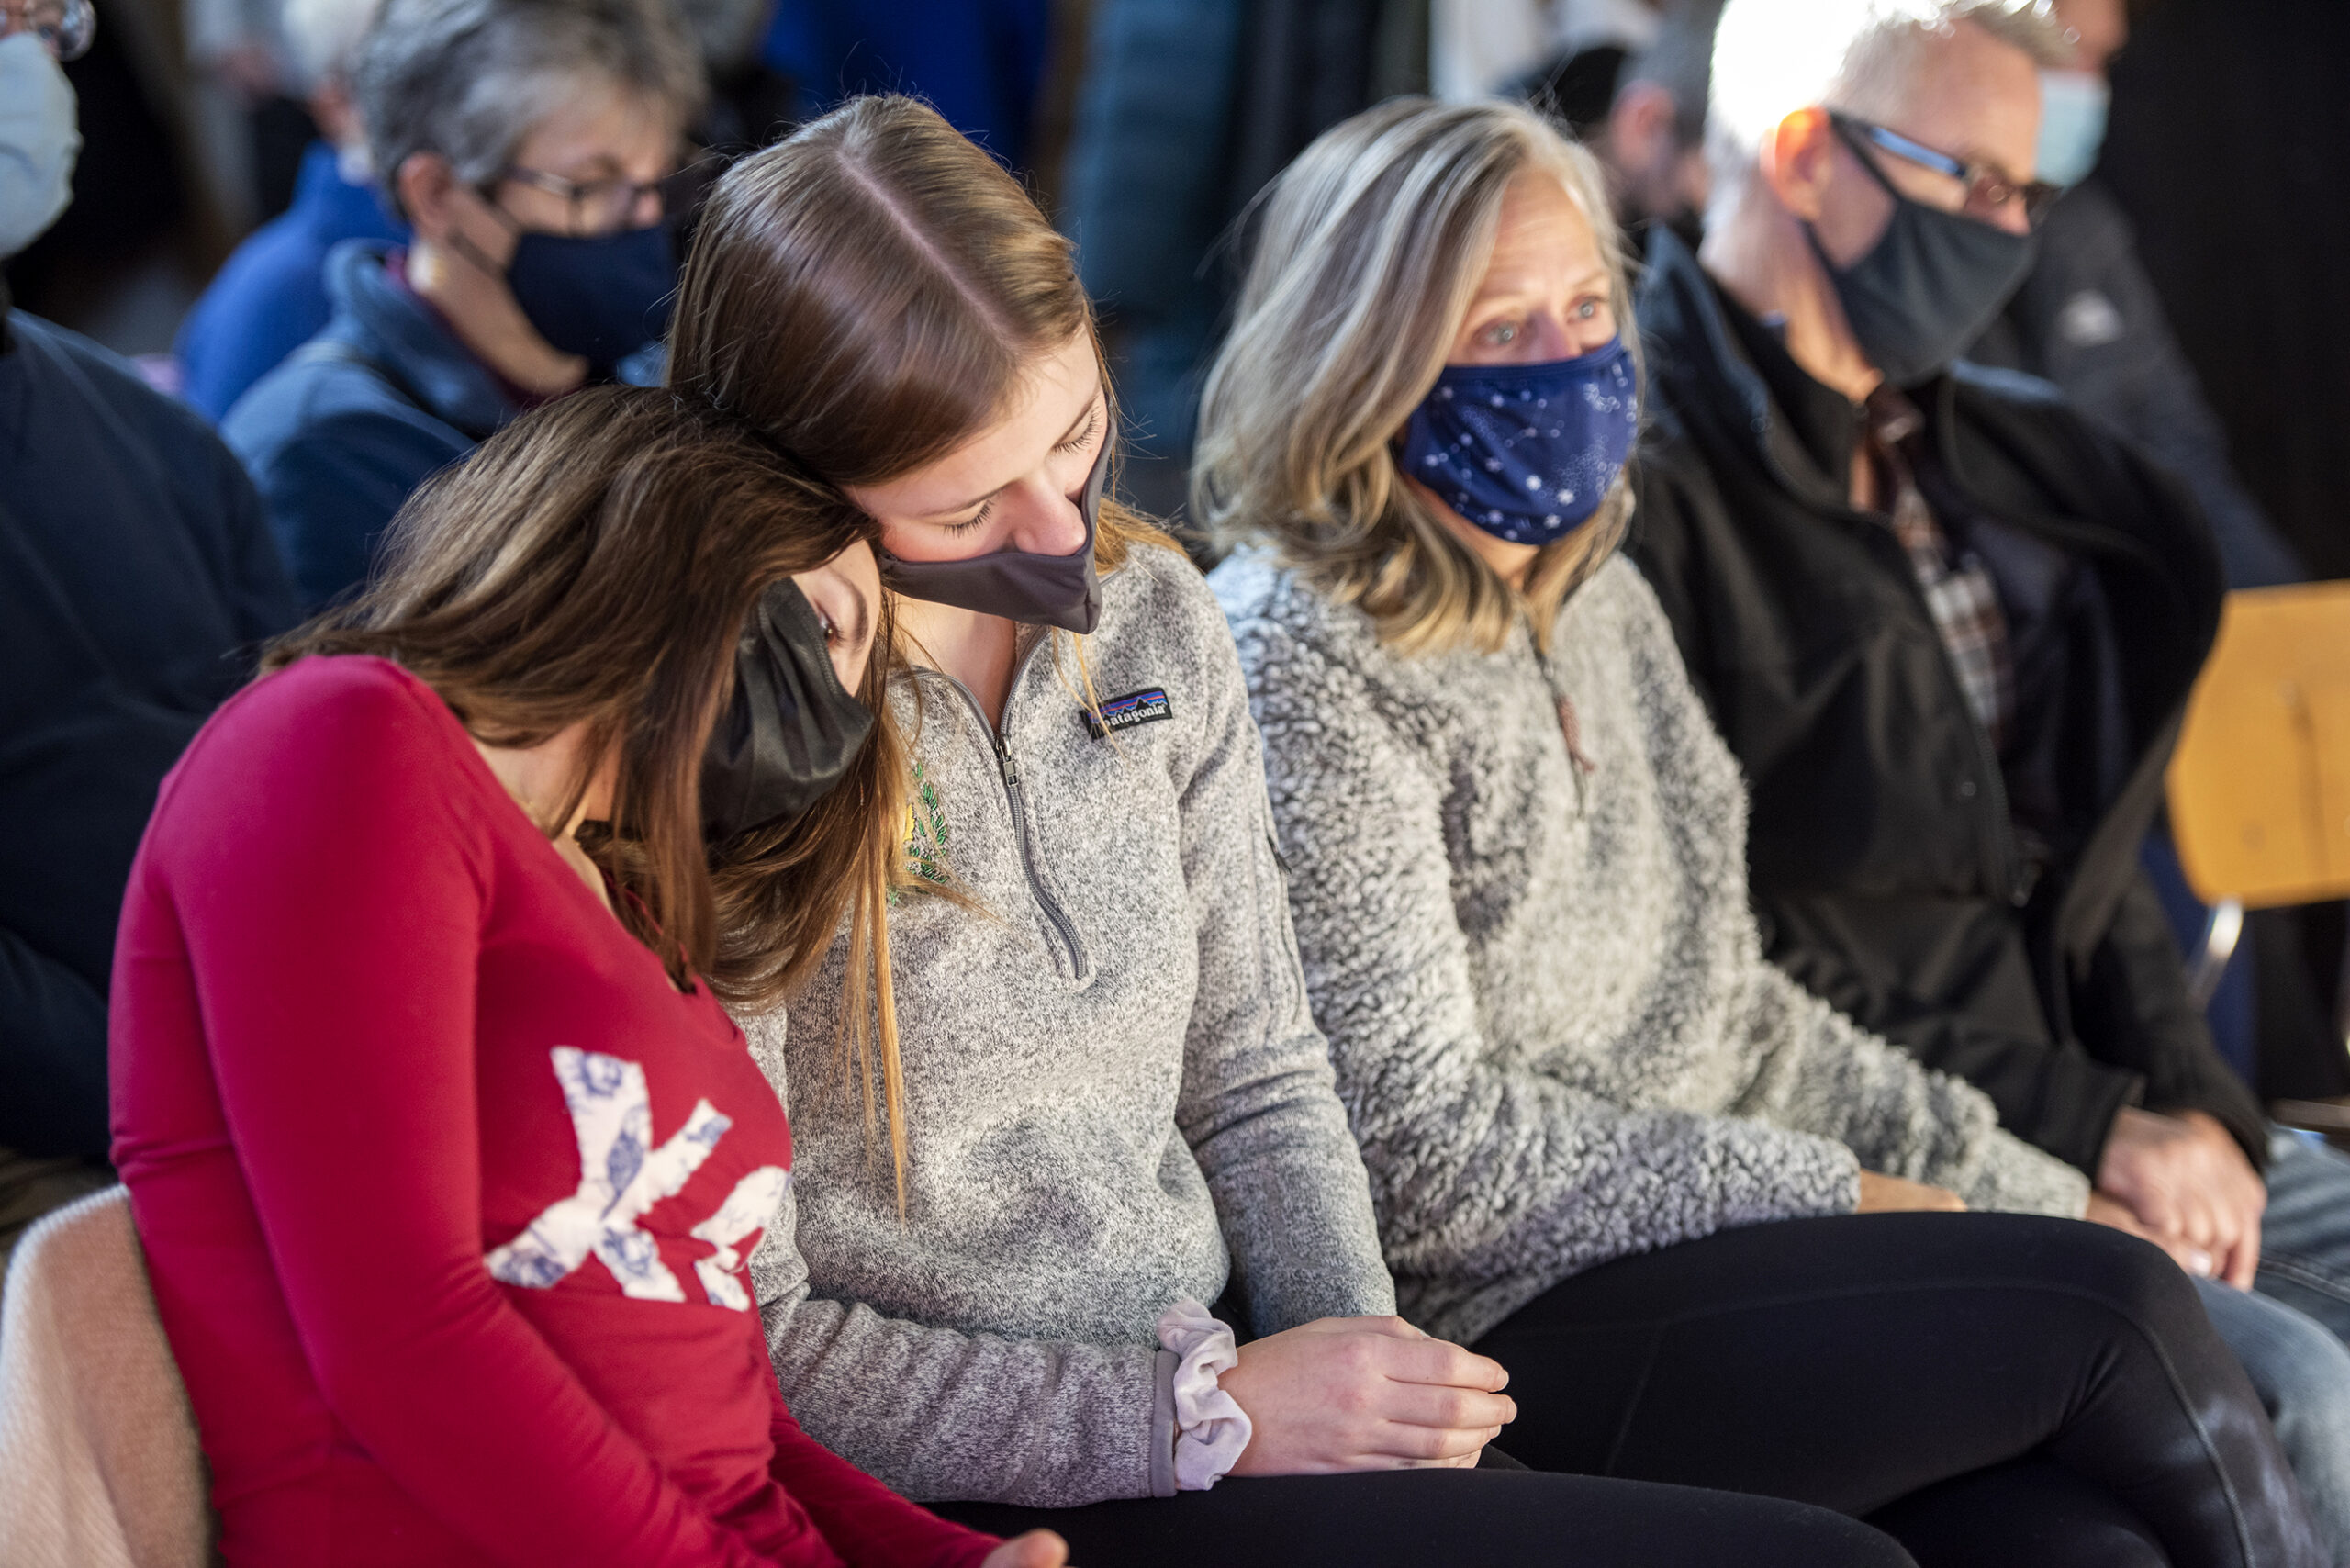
(1019, 585)
(790, 732)
(1928, 286)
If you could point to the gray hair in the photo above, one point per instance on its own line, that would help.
(468, 79)
(1773, 57)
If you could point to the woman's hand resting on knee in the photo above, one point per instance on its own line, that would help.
(1887, 1194)
(1036, 1548)
(1343, 1393)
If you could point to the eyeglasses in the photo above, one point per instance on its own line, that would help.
(64, 27)
(1989, 192)
(606, 207)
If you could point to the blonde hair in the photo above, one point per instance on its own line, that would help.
(1374, 244)
(871, 293)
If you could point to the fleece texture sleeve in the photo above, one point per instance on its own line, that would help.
(859, 1516)
(1483, 1166)
(1258, 1106)
(967, 1417)
(2058, 1098)
(1821, 1072)
(331, 912)
(1812, 1067)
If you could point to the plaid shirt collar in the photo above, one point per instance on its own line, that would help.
(1958, 591)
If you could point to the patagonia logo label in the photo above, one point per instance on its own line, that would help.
(1125, 712)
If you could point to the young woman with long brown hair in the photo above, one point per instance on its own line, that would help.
(1105, 1104)
(445, 1154)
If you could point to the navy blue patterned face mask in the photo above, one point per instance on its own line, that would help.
(603, 297)
(1526, 452)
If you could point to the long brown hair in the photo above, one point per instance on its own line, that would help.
(594, 562)
(873, 292)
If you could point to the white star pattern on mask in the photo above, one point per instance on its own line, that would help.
(620, 1178)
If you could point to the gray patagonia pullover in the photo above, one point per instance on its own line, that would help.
(1544, 991)
(1115, 1094)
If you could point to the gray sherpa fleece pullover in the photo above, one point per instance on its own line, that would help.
(1545, 995)
(1115, 1094)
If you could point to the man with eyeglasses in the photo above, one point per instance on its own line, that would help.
(1948, 626)
(137, 575)
(531, 146)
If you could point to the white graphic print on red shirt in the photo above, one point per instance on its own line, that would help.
(621, 1176)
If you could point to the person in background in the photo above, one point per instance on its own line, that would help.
(1568, 50)
(2087, 316)
(468, 1287)
(270, 297)
(1610, 1146)
(240, 52)
(136, 575)
(2088, 319)
(980, 62)
(525, 142)
(1186, 109)
(1097, 1103)
(1654, 145)
(1947, 625)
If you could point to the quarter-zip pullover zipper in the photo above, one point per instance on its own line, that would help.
(1008, 773)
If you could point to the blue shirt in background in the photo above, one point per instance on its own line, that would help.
(271, 296)
(337, 436)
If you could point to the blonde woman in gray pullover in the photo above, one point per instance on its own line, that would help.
(1098, 1103)
(1517, 873)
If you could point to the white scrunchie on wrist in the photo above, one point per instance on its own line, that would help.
(1211, 1428)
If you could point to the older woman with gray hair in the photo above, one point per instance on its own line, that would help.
(1610, 1146)
(527, 144)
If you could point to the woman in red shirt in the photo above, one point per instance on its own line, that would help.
(446, 1158)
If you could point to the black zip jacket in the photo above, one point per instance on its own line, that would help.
(1987, 910)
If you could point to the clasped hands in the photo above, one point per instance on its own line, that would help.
(1343, 1393)
(2182, 1183)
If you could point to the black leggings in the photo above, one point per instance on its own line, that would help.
(1424, 1519)
(1991, 1389)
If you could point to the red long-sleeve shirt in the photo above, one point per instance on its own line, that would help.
(446, 1191)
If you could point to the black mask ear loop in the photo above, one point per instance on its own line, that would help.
(461, 244)
(1811, 232)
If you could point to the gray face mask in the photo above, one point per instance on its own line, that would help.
(1928, 286)
(1019, 585)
